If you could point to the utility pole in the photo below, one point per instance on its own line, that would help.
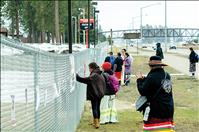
(94, 27)
(88, 23)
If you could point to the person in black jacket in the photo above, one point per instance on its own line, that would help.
(118, 67)
(110, 59)
(159, 51)
(95, 90)
(161, 104)
(192, 60)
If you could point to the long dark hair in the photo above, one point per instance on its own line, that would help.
(127, 54)
(93, 65)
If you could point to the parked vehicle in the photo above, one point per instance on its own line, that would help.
(172, 47)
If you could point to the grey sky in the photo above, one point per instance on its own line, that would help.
(118, 14)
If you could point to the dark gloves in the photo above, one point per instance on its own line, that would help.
(77, 76)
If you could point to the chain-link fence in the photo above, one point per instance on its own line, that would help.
(38, 89)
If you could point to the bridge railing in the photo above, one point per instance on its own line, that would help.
(38, 89)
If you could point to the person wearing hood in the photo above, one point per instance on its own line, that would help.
(95, 90)
(159, 51)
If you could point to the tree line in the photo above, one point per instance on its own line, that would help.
(44, 21)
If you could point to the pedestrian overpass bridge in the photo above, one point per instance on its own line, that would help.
(158, 32)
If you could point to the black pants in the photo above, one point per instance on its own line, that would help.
(96, 108)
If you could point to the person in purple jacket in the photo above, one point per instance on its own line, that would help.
(128, 69)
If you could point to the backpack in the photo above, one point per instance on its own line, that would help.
(196, 57)
(112, 82)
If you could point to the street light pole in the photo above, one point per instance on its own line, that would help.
(97, 29)
(94, 27)
(75, 28)
(141, 16)
(88, 24)
(141, 23)
(165, 27)
(95, 11)
(84, 41)
(111, 40)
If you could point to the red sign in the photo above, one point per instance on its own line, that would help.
(86, 20)
(84, 24)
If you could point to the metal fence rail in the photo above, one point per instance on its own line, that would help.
(38, 89)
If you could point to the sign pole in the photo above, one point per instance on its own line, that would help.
(111, 42)
(87, 38)
(137, 46)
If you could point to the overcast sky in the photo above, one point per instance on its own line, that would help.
(119, 14)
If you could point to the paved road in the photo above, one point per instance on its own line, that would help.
(179, 63)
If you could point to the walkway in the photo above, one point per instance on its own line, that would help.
(179, 63)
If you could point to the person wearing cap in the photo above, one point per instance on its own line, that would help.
(159, 51)
(161, 104)
(95, 90)
(107, 106)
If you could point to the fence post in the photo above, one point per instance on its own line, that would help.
(55, 99)
(36, 94)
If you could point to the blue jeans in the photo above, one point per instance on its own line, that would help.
(127, 79)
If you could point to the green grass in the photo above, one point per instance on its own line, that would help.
(140, 65)
(186, 98)
(129, 121)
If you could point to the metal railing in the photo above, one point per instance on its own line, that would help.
(38, 89)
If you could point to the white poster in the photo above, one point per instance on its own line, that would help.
(37, 98)
(26, 98)
(57, 91)
(72, 74)
(45, 97)
(13, 119)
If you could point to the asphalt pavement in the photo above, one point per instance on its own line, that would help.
(179, 63)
